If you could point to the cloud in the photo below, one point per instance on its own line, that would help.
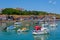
(52, 2)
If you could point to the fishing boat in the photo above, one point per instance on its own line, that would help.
(17, 24)
(10, 28)
(45, 21)
(45, 24)
(42, 31)
(54, 24)
(19, 30)
(23, 30)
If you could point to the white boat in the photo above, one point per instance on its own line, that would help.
(17, 24)
(42, 31)
(53, 25)
(45, 24)
(19, 30)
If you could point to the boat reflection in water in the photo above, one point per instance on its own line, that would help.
(53, 28)
(41, 37)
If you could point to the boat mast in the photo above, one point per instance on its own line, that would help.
(53, 4)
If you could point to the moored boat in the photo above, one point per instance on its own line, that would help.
(23, 30)
(53, 25)
(18, 24)
(19, 30)
(42, 31)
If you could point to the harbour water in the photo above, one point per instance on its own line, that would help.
(53, 35)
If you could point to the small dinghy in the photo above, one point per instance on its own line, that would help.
(19, 30)
(46, 24)
(23, 30)
(53, 25)
(10, 28)
(17, 24)
(42, 31)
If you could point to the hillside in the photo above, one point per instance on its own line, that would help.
(26, 13)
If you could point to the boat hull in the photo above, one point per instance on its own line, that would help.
(53, 25)
(39, 32)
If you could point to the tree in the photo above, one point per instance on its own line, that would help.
(10, 11)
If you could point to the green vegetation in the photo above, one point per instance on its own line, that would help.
(11, 11)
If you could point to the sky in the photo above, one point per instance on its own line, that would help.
(39, 5)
